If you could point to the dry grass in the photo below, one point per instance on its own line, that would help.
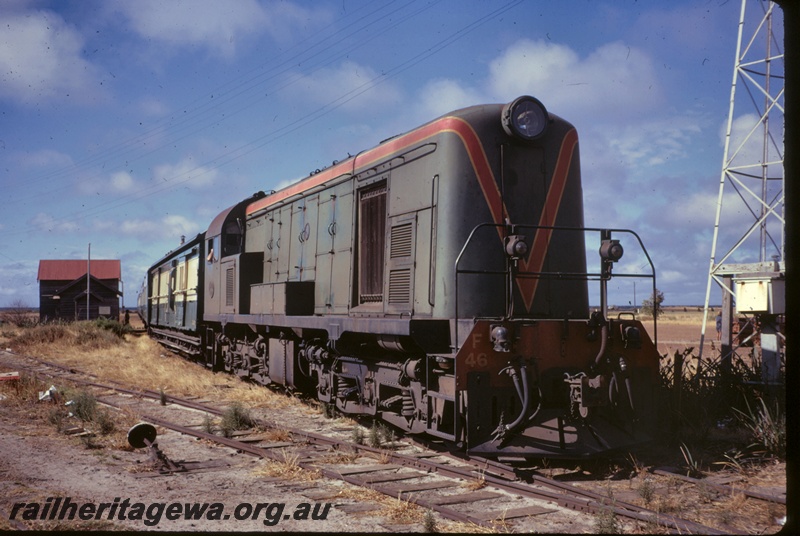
(139, 361)
(478, 483)
(288, 468)
(401, 511)
(276, 435)
(692, 316)
(335, 457)
(405, 511)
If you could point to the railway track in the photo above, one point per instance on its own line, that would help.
(484, 492)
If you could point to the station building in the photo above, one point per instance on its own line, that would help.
(63, 289)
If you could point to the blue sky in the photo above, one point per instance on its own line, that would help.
(128, 124)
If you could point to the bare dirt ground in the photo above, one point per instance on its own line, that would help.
(38, 462)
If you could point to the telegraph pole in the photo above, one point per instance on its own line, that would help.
(88, 278)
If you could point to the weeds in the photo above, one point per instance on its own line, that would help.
(236, 417)
(56, 417)
(112, 326)
(374, 437)
(726, 517)
(337, 456)
(357, 435)
(41, 334)
(98, 334)
(429, 522)
(647, 490)
(83, 405)
(208, 424)
(403, 511)
(20, 315)
(733, 462)
(94, 336)
(389, 435)
(478, 483)
(692, 465)
(606, 522)
(25, 390)
(289, 468)
(277, 434)
(708, 394)
(106, 423)
(329, 410)
(767, 428)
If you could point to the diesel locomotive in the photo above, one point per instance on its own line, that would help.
(437, 281)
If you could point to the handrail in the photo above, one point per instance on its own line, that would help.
(587, 276)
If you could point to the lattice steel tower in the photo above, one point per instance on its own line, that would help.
(747, 254)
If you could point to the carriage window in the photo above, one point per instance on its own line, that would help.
(232, 238)
(371, 242)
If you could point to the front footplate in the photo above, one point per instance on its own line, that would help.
(537, 388)
(554, 436)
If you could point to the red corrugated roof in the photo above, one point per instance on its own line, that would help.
(69, 270)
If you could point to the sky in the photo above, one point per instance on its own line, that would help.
(125, 125)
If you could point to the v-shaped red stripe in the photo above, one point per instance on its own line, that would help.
(541, 240)
(491, 192)
(535, 260)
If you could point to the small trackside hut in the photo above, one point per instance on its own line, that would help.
(63, 287)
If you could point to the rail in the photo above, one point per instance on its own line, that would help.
(492, 473)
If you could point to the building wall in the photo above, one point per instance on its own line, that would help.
(72, 302)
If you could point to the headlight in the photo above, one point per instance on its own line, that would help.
(525, 118)
(611, 250)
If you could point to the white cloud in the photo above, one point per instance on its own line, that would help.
(352, 86)
(672, 276)
(285, 183)
(613, 82)
(40, 60)
(747, 140)
(284, 18)
(441, 96)
(169, 227)
(122, 181)
(47, 223)
(654, 141)
(172, 225)
(217, 26)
